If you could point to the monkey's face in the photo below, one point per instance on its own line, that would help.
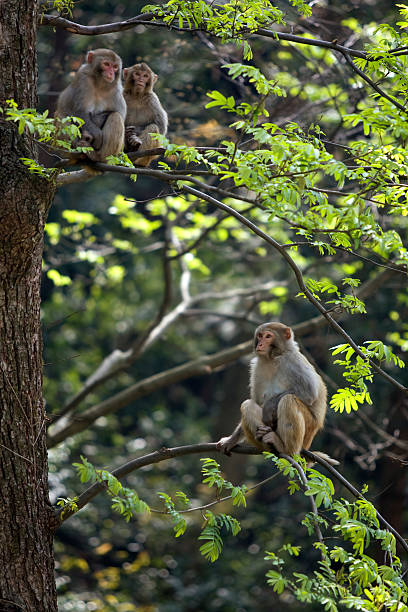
(139, 79)
(270, 339)
(109, 70)
(105, 64)
(264, 342)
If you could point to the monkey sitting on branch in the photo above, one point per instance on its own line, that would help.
(145, 115)
(288, 397)
(96, 96)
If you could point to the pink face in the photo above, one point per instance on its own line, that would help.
(264, 340)
(109, 70)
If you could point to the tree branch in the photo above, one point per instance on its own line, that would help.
(118, 360)
(197, 367)
(155, 457)
(367, 79)
(280, 248)
(303, 478)
(61, 515)
(355, 492)
(55, 21)
(204, 365)
(147, 19)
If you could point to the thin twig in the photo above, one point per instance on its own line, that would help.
(221, 499)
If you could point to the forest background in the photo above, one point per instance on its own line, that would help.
(150, 295)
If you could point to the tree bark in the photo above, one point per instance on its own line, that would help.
(26, 519)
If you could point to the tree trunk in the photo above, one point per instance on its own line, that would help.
(26, 520)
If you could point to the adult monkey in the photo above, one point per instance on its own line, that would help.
(288, 397)
(145, 114)
(96, 96)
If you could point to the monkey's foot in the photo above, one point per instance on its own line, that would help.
(262, 431)
(133, 141)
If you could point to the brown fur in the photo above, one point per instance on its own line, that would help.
(98, 102)
(145, 114)
(280, 371)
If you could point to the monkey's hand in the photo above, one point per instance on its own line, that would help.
(262, 431)
(226, 444)
(133, 141)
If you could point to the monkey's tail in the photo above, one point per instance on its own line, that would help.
(323, 456)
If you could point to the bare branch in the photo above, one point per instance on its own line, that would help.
(75, 28)
(118, 360)
(77, 176)
(197, 367)
(203, 366)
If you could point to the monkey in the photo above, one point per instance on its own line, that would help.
(145, 114)
(96, 96)
(288, 397)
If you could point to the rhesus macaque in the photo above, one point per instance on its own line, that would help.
(96, 96)
(288, 397)
(145, 114)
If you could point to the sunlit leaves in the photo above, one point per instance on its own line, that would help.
(124, 500)
(58, 279)
(55, 132)
(320, 487)
(346, 575)
(228, 20)
(357, 370)
(255, 77)
(348, 399)
(67, 504)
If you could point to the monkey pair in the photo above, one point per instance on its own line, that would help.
(287, 402)
(114, 118)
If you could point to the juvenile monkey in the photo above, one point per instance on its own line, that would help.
(96, 96)
(288, 397)
(145, 114)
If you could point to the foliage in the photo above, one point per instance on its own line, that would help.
(58, 133)
(359, 371)
(345, 576)
(64, 7)
(124, 500)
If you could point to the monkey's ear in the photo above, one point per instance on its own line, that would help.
(125, 72)
(287, 332)
(154, 78)
(89, 57)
